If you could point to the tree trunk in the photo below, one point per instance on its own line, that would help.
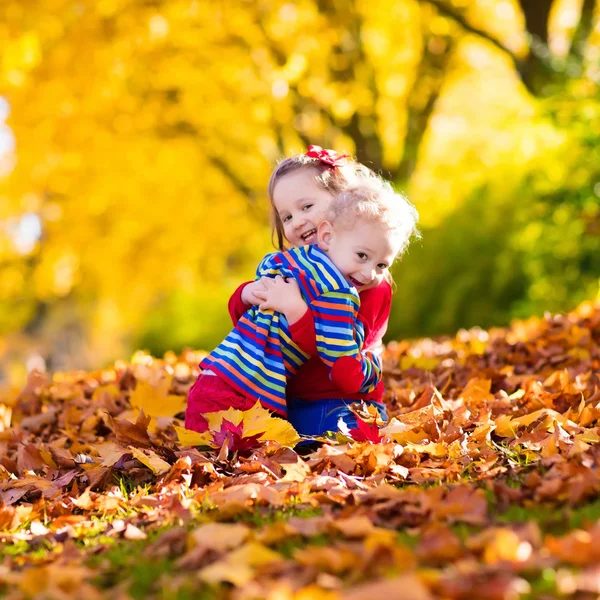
(535, 71)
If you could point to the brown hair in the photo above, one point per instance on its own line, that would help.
(332, 179)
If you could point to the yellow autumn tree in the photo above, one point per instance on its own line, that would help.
(145, 134)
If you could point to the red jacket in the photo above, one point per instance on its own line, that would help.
(312, 380)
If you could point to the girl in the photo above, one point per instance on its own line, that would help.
(300, 189)
(359, 225)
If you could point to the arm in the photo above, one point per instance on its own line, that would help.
(339, 342)
(237, 307)
(374, 313)
(303, 333)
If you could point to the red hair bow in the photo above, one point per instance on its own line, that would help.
(329, 157)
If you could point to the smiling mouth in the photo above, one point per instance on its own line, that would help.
(355, 282)
(308, 235)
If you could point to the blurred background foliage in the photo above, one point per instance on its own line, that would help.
(137, 138)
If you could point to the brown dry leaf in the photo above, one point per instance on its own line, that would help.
(463, 503)
(520, 407)
(128, 433)
(354, 527)
(578, 547)
(29, 458)
(58, 581)
(336, 558)
(404, 587)
(439, 544)
(84, 500)
(110, 452)
(220, 536)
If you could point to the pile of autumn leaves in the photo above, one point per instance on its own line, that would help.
(483, 424)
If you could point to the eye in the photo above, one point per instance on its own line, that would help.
(361, 255)
(307, 206)
(286, 218)
(382, 266)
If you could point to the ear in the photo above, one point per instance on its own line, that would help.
(324, 235)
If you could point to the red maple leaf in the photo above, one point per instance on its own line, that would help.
(233, 434)
(365, 432)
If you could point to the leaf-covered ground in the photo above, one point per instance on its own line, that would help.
(485, 485)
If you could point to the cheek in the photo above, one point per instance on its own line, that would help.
(317, 215)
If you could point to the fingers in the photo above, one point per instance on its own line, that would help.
(268, 282)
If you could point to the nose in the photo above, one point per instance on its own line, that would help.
(370, 273)
(300, 222)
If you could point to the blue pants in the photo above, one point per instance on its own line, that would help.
(315, 417)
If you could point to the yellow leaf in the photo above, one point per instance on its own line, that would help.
(149, 458)
(5, 417)
(256, 419)
(420, 362)
(260, 420)
(589, 436)
(237, 567)
(110, 391)
(187, 437)
(155, 400)
(477, 391)
(505, 426)
(215, 419)
(436, 449)
(280, 431)
(505, 545)
(551, 416)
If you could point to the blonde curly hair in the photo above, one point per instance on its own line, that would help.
(375, 200)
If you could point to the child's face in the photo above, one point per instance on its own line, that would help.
(300, 203)
(363, 252)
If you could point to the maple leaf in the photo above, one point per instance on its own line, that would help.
(188, 437)
(241, 429)
(233, 435)
(259, 419)
(364, 432)
(153, 399)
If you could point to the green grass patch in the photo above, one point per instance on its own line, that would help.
(551, 519)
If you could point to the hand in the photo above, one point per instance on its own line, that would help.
(249, 292)
(283, 295)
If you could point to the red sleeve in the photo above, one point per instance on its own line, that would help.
(347, 374)
(374, 313)
(303, 333)
(237, 307)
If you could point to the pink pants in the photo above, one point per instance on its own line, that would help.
(211, 394)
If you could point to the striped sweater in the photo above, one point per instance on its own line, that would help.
(259, 356)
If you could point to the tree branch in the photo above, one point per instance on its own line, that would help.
(583, 30)
(447, 11)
